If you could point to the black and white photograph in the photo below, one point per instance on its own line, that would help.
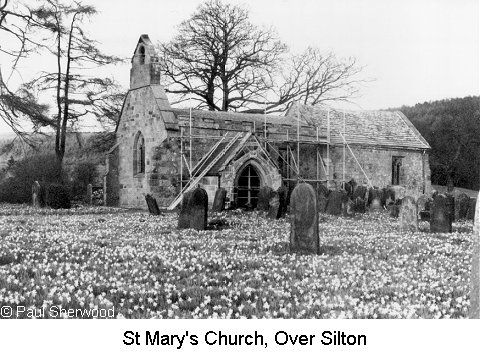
(240, 159)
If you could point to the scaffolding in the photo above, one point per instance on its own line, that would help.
(290, 156)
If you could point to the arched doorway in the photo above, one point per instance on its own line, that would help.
(248, 184)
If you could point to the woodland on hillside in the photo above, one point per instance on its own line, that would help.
(452, 128)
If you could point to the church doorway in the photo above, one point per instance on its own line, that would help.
(248, 184)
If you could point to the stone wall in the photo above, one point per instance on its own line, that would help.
(111, 188)
(377, 164)
(141, 113)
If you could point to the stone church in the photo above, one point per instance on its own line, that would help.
(165, 151)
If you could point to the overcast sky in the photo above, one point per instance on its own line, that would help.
(416, 50)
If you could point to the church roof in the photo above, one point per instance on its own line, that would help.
(383, 128)
(370, 128)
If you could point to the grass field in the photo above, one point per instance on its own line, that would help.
(140, 266)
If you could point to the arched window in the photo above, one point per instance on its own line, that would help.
(139, 154)
(141, 57)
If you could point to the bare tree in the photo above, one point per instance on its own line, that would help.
(220, 58)
(16, 22)
(224, 62)
(77, 93)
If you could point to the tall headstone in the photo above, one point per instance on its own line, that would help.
(219, 200)
(198, 209)
(185, 211)
(471, 209)
(274, 207)
(408, 214)
(462, 202)
(89, 197)
(282, 197)
(36, 194)
(474, 312)
(441, 218)
(322, 202)
(152, 205)
(375, 199)
(304, 220)
(264, 195)
(335, 201)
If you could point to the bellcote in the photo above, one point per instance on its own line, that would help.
(145, 69)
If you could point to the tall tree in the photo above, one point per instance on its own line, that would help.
(77, 93)
(225, 62)
(452, 128)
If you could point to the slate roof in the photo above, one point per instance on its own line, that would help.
(370, 128)
(381, 128)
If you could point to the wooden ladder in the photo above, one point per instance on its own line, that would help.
(196, 179)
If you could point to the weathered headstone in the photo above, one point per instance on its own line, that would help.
(274, 207)
(389, 196)
(219, 200)
(36, 194)
(199, 209)
(348, 207)
(375, 199)
(335, 200)
(282, 197)
(264, 195)
(399, 191)
(89, 197)
(304, 220)
(471, 209)
(462, 202)
(360, 205)
(360, 192)
(185, 211)
(422, 202)
(474, 312)
(152, 205)
(394, 209)
(441, 218)
(322, 189)
(322, 202)
(408, 214)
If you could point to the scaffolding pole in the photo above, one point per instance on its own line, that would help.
(298, 141)
(190, 162)
(328, 146)
(181, 159)
(344, 151)
(316, 147)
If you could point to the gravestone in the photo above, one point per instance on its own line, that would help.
(185, 211)
(322, 189)
(394, 209)
(408, 214)
(471, 209)
(198, 209)
(219, 200)
(360, 192)
(282, 197)
(474, 311)
(462, 203)
(399, 191)
(152, 205)
(264, 195)
(360, 205)
(89, 197)
(304, 220)
(348, 207)
(440, 214)
(36, 194)
(322, 202)
(422, 202)
(451, 207)
(334, 204)
(274, 207)
(375, 199)
(389, 196)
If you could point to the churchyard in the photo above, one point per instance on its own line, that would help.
(146, 266)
